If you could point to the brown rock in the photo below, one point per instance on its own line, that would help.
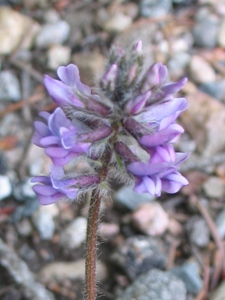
(151, 219)
(14, 29)
(91, 66)
(59, 271)
(205, 121)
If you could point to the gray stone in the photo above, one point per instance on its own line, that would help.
(9, 86)
(58, 55)
(43, 221)
(220, 223)
(5, 187)
(178, 63)
(50, 34)
(155, 8)
(155, 285)
(140, 254)
(209, 25)
(214, 187)
(198, 231)
(75, 234)
(117, 22)
(24, 227)
(189, 273)
(23, 191)
(73, 270)
(51, 16)
(22, 277)
(215, 89)
(221, 35)
(15, 29)
(200, 70)
(219, 292)
(131, 200)
(151, 219)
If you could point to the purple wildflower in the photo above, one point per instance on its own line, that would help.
(57, 186)
(59, 137)
(131, 114)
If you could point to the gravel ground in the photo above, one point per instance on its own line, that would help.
(150, 249)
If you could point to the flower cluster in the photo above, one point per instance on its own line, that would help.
(125, 127)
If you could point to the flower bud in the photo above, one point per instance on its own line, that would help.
(109, 78)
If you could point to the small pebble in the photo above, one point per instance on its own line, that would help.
(140, 254)
(23, 191)
(50, 34)
(91, 66)
(198, 231)
(14, 30)
(151, 219)
(106, 231)
(5, 187)
(214, 187)
(215, 89)
(209, 24)
(117, 23)
(75, 234)
(201, 71)
(178, 63)
(73, 270)
(220, 223)
(24, 227)
(154, 9)
(155, 285)
(43, 221)
(189, 274)
(58, 55)
(219, 292)
(51, 16)
(221, 35)
(131, 200)
(9, 86)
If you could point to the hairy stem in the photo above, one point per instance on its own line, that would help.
(91, 246)
(92, 226)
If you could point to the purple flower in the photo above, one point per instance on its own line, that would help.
(57, 186)
(70, 91)
(59, 137)
(160, 173)
(131, 116)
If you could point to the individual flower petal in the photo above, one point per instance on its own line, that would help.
(109, 78)
(70, 76)
(158, 112)
(173, 182)
(162, 137)
(47, 200)
(163, 153)
(138, 47)
(174, 87)
(136, 104)
(61, 93)
(155, 76)
(145, 169)
(44, 190)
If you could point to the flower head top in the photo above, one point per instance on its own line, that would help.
(126, 128)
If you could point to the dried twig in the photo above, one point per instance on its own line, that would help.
(219, 255)
(37, 96)
(28, 68)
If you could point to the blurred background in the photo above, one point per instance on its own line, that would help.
(172, 248)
